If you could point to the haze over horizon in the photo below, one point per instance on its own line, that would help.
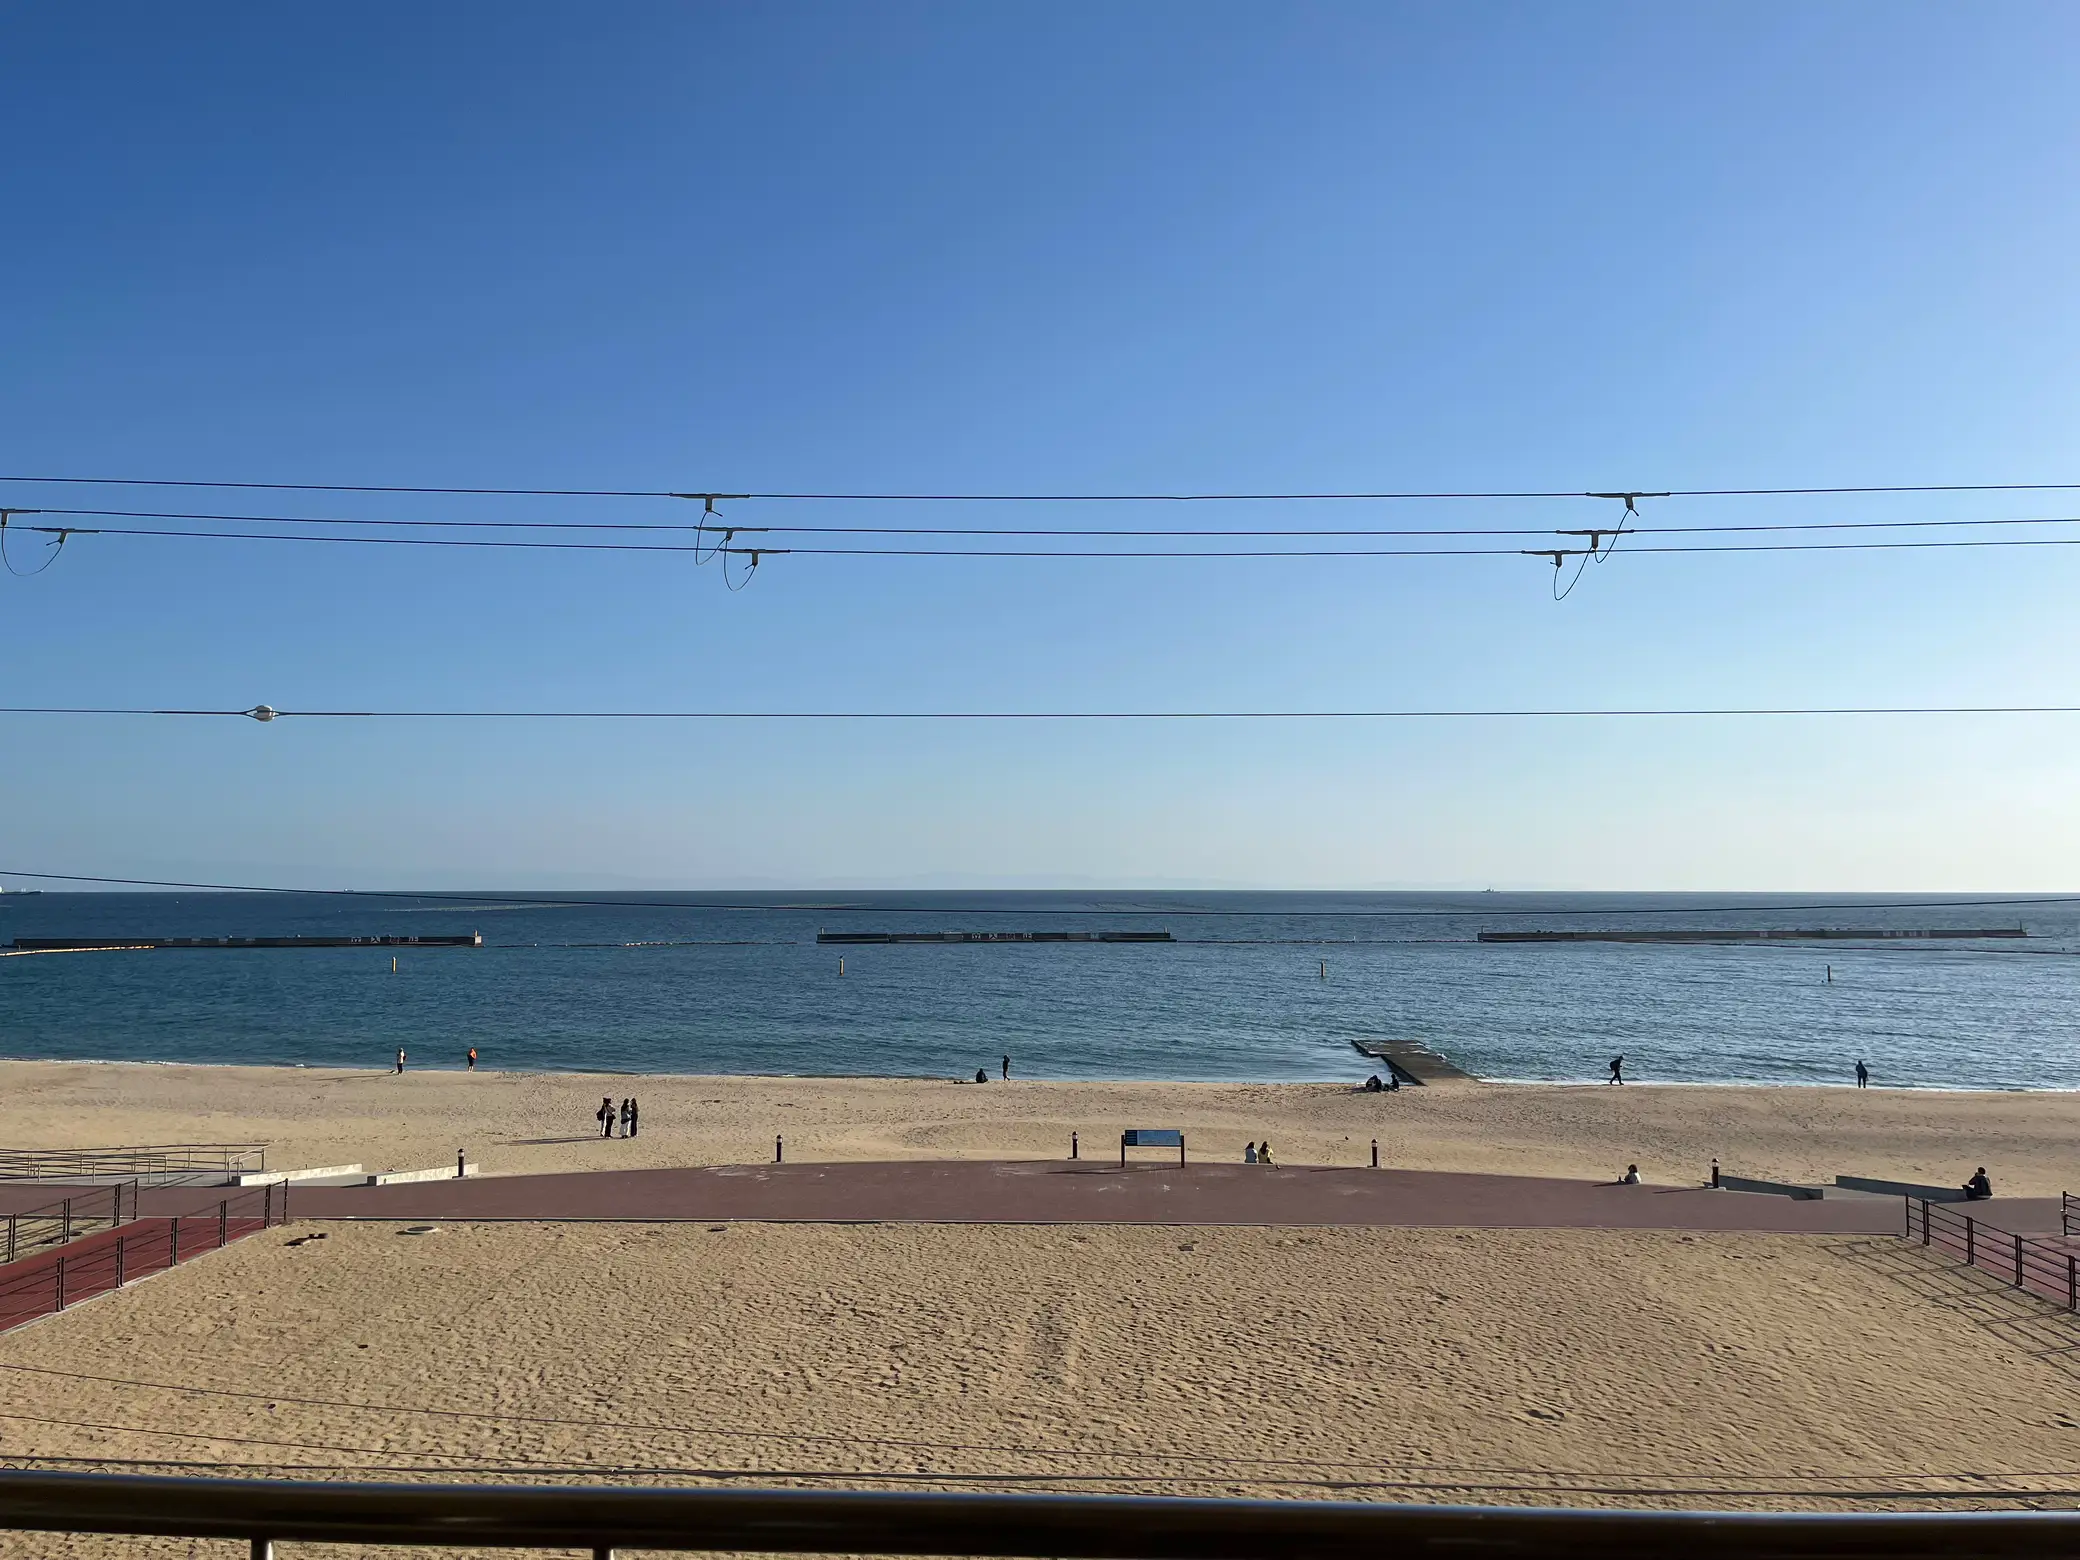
(1155, 247)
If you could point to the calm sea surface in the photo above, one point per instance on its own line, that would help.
(650, 985)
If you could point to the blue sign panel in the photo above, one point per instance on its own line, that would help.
(1153, 1137)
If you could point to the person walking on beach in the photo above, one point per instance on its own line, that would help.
(1617, 1069)
(472, 1059)
(400, 1060)
(1007, 1069)
(605, 1117)
(628, 1118)
(1249, 1153)
(1863, 1075)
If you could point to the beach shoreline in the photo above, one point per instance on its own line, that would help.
(1362, 1063)
(540, 1122)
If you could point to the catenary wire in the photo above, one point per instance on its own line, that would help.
(1180, 912)
(1030, 553)
(1051, 498)
(710, 523)
(268, 713)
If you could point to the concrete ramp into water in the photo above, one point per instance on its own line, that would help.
(1413, 1062)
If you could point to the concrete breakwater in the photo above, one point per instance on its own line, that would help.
(1754, 934)
(86, 944)
(992, 937)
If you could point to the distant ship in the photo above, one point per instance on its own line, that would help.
(18, 893)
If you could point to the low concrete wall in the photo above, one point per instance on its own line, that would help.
(404, 1177)
(1861, 1183)
(1742, 1183)
(278, 1177)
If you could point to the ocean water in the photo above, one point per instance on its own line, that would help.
(654, 984)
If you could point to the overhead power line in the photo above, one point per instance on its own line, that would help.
(1052, 498)
(730, 549)
(1470, 911)
(266, 713)
(688, 526)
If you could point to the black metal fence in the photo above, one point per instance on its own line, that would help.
(2050, 1270)
(54, 1223)
(40, 1285)
(1070, 1527)
(151, 1159)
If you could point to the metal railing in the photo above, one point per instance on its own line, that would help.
(2069, 1213)
(51, 1164)
(1072, 1527)
(2037, 1267)
(42, 1285)
(55, 1223)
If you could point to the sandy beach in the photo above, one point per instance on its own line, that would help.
(534, 1122)
(1577, 1366)
(1511, 1366)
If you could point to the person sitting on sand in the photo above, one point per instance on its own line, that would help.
(1978, 1187)
(1249, 1153)
(1373, 1085)
(982, 1075)
(1630, 1177)
(1264, 1154)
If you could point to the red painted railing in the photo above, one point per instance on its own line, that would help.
(50, 1281)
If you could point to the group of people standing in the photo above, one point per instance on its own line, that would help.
(606, 1116)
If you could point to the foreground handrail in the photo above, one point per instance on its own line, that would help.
(1074, 1527)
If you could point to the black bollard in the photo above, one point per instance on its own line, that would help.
(1072, 1146)
(1375, 1153)
(459, 1171)
(779, 1149)
(1715, 1172)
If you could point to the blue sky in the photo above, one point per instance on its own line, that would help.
(1063, 247)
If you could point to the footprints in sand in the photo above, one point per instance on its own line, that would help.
(1043, 1355)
